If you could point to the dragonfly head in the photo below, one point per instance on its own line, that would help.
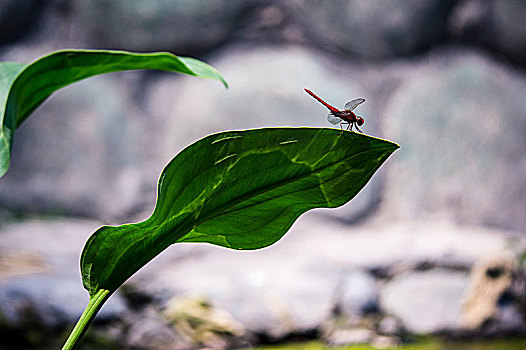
(359, 120)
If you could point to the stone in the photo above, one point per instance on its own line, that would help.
(45, 286)
(49, 301)
(294, 285)
(390, 325)
(149, 330)
(79, 154)
(359, 292)
(203, 323)
(182, 27)
(371, 29)
(289, 288)
(384, 342)
(261, 291)
(426, 302)
(496, 25)
(18, 17)
(460, 116)
(44, 245)
(491, 276)
(390, 243)
(350, 336)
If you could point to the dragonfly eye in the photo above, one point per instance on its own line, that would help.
(359, 121)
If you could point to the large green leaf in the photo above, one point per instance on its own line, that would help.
(239, 189)
(24, 87)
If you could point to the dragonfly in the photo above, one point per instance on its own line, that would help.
(346, 116)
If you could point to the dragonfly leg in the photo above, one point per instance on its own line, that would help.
(341, 126)
(357, 128)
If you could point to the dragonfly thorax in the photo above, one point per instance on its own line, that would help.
(348, 116)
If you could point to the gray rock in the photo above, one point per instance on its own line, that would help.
(350, 336)
(79, 154)
(391, 243)
(52, 246)
(372, 29)
(259, 289)
(459, 119)
(290, 287)
(496, 25)
(294, 285)
(45, 286)
(49, 301)
(390, 325)
(359, 292)
(176, 26)
(510, 319)
(17, 16)
(149, 330)
(426, 302)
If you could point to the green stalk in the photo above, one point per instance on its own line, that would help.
(95, 303)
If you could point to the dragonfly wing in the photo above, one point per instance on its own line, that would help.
(354, 103)
(333, 119)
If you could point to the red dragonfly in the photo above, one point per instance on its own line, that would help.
(346, 116)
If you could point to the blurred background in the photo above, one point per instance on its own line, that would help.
(434, 245)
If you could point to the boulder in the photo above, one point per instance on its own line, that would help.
(496, 25)
(18, 17)
(426, 302)
(372, 29)
(490, 303)
(80, 154)
(40, 277)
(459, 119)
(182, 27)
